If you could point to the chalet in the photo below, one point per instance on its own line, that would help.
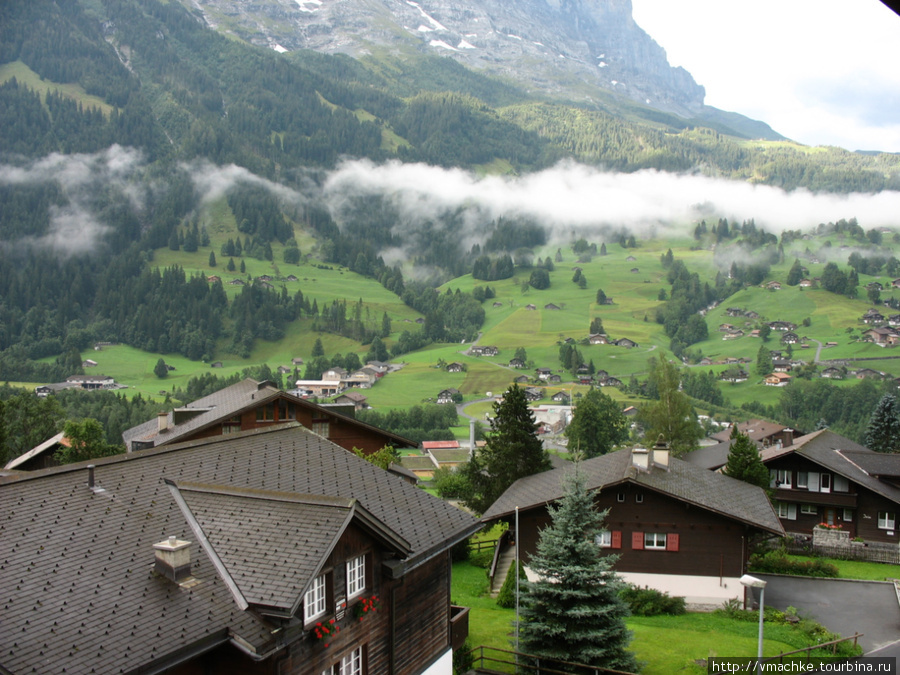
(611, 382)
(601, 374)
(585, 379)
(533, 394)
(733, 335)
(598, 339)
(782, 365)
(872, 316)
(92, 381)
(754, 333)
(625, 342)
(497, 304)
(521, 379)
(630, 258)
(455, 367)
(782, 325)
(530, 307)
(635, 270)
(774, 286)
(725, 327)
(516, 363)
(227, 555)
(216, 364)
(554, 379)
(806, 283)
(250, 404)
(214, 279)
(447, 395)
(357, 400)
(734, 375)
(284, 370)
(543, 373)
(380, 367)
(420, 320)
(790, 338)
(734, 312)
(760, 432)
(833, 373)
(550, 305)
(883, 337)
(39, 457)
(895, 283)
(484, 351)
(826, 478)
(363, 378)
(630, 411)
(89, 363)
(752, 315)
(45, 390)
(777, 380)
(335, 373)
(291, 277)
(894, 320)
(296, 361)
(674, 527)
(237, 282)
(561, 397)
(868, 374)
(875, 286)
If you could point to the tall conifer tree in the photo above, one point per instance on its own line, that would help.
(883, 432)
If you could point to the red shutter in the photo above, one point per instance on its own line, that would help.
(637, 541)
(671, 542)
(615, 539)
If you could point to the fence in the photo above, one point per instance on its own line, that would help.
(494, 659)
(808, 650)
(837, 544)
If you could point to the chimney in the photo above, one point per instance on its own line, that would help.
(90, 469)
(162, 422)
(640, 458)
(173, 559)
(788, 437)
(661, 453)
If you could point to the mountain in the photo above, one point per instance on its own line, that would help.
(564, 48)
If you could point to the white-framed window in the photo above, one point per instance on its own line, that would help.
(351, 664)
(847, 516)
(639, 498)
(356, 576)
(825, 482)
(320, 427)
(620, 497)
(655, 540)
(787, 511)
(841, 484)
(809, 510)
(783, 478)
(314, 601)
(603, 539)
(886, 520)
(802, 479)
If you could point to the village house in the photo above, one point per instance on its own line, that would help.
(774, 285)
(543, 373)
(806, 283)
(760, 432)
(883, 337)
(872, 316)
(455, 367)
(611, 382)
(598, 339)
(516, 363)
(334, 373)
(625, 342)
(868, 374)
(734, 375)
(551, 306)
(833, 373)
(39, 457)
(777, 380)
(733, 335)
(734, 312)
(533, 394)
(92, 381)
(521, 379)
(484, 351)
(229, 555)
(363, 378)
(357, 400)
(790, 338)
(561, 397)
(447, 395)
(319, 388)
(251, 404)
(675, 527)
(825, 478)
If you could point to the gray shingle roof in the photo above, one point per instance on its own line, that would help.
(76, 583)
(712, 491)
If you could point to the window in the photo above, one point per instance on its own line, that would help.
(847, 516)
(639, 498)
(604, 539)
(782, 478)
(841, 484)
(351, 664)
(285, 411)
(809, 510)
(265, 413)
(885, 520)
(314, 601)
(356, 576)
(787, 511)
(620, 497)
(825, 482)
(655, 540)
(802, 479)
(320, 427)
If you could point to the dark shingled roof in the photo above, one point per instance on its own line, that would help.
(222, 405)
(845, 458)
(77, 589)
(712, 491)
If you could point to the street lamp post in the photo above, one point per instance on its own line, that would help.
(752, 582)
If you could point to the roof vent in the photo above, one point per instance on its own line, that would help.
(173, 559)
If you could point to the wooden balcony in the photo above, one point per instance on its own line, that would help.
(845, 500)
(459, 625)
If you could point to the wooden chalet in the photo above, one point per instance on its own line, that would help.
(228, 555)
(91, 381)
(625, 342)
(39, 457)
(761, 432)
(455, 367)
(675, 527)
(446, 395)
(516, 363)
(825, 478)
(250, 404)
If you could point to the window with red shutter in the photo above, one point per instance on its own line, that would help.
(672, 542)
(637, 541)
(616, 539)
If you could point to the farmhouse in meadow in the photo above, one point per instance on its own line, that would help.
(675, 527)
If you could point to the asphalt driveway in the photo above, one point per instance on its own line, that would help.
(843, 606)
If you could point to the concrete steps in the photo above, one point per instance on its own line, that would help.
(506, 561)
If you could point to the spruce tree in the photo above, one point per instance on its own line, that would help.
(574, 612)
(883, 431)
(513, 451)
(744, 462)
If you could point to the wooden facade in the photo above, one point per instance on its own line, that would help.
(823, 496)
(698, 542)
(410, 629)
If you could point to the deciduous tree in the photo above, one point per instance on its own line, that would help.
(597, 425)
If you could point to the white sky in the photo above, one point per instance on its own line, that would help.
(822, 72)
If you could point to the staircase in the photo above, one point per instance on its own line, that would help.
(504, 563)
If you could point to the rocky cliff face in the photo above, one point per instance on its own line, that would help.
(562, 47)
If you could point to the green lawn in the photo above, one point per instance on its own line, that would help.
(856, 569)
(666, 644)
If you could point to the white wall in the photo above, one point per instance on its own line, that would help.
(443, 666)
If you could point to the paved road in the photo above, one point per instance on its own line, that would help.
(843, 606)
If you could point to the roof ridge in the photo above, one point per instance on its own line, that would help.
(269, 495)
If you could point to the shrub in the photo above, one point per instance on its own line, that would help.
(777, 562)
(463, 659)
(449, 483)
(650, 602)
(482, 558)
(507, 595)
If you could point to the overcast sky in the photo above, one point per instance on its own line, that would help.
(822, 72)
